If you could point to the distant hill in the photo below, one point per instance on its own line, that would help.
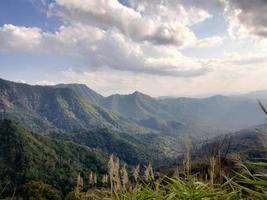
(135, 106)
(25, 156)
(74, 107)
(59, 108)
(84, 91)
(250, 144)
(222, 112)
(261, 94)
(216, 112)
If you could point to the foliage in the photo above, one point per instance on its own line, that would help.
(74, 196)
(25, 156)
(38, 190)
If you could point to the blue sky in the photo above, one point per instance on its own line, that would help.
(169, 47)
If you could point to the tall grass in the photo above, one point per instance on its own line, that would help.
(136, 184)
(244, 185)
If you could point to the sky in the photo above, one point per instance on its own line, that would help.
(158, 47)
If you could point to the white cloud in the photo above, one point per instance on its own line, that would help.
(209, 42)
(143, 38)
(19, 38)
(97, 50)
(247, 18)
(154, 21)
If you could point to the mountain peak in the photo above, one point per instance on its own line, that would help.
(71, 85)
(137, 93)
(83, 90)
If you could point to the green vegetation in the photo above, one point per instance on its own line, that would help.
(68, 159)
(70, 112)
(25, 156)
(38, 190)
(243, 185)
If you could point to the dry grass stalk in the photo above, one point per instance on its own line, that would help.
(91, 181)
(105, 180)
(114, 173)
(136, 173)
(95, 178)
(149, 174)
(212, 170)
(79, 183)
(187, 158)
(125, 178)
(111, 166)
(176, 173)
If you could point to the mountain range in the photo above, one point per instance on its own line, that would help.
(78, 113)
(52, 133)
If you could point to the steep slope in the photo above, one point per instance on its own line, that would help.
(133, 149)
(135, 106)
(46, 109)
(71, 107)
(63, 113)
(25, 156)
(83, 91)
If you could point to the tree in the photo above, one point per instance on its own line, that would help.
(41, 191)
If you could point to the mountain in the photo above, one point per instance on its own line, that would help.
(249, 144)
(74, 107)
(135, 106)
(216, 112)
(261, 94)
(60, 108)
(64, 113)
(26, 156)
(84, 91)
(222, 112)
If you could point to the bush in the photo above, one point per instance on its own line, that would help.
(38, 190)
(74, 196)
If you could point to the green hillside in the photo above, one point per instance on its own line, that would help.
(216, 112)
(61, 108)
(84, 91)
(25, 156)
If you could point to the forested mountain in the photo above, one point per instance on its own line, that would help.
(222, 112)
(83, 91)
(59, 108)
(65, 113)
(71, 107)
(26, 156)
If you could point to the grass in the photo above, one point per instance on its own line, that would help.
(184, 186)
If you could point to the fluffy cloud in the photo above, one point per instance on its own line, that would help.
(162, 23)
(211, 5)
(247, 18)
(144, 37)
(19, 38)
(97, 49)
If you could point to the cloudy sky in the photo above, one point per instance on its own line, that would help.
(159, 47)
